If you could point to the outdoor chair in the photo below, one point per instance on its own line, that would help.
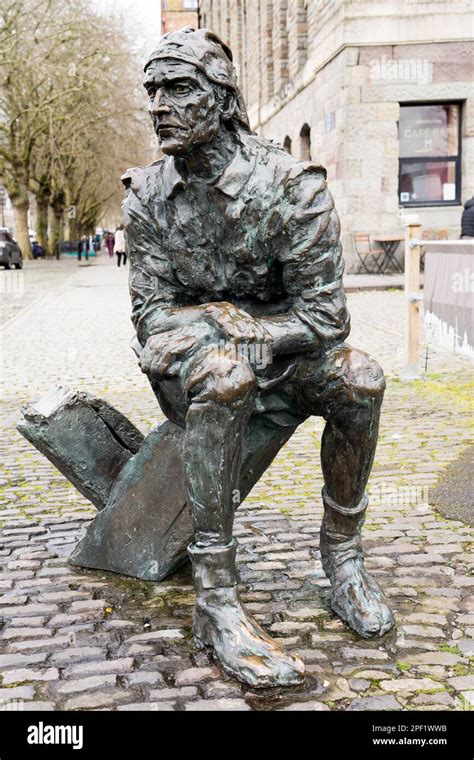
(370, 257)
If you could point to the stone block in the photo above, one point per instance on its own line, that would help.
(210, 705)
(26, 674)
(74, 686)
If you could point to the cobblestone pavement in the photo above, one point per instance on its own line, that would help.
(75, 640)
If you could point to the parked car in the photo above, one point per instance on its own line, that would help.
(10, 253)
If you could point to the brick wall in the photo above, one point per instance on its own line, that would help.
(175, 15)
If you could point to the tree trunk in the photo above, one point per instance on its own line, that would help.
(17, 189)
(42, 226)
(72, 227)
(56, 229)
(20, 209)
(58, 203)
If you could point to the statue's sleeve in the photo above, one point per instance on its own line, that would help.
(312, 259)
(154, 290)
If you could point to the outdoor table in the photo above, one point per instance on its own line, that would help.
(389, 245)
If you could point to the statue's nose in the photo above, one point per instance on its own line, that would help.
(160, 105)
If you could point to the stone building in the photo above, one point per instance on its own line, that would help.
(379, 92)
(178, 13)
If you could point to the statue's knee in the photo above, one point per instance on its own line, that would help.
(225, 381)
(363, 376)
(356, 390)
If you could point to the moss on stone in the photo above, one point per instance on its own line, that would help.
(450, 649)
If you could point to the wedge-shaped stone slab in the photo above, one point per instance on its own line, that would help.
(146, 527)
(85, 438)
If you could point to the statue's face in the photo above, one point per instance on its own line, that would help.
(183, 106)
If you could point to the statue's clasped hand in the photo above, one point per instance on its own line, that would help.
(240, 333)
(165, 352)
(226, 327)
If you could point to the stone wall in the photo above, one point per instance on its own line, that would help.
(329, 64)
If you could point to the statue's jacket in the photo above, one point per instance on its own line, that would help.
(264, 237)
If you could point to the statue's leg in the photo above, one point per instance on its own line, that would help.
(222, 396)
(348, 391)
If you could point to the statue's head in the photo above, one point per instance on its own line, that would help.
(193, 90)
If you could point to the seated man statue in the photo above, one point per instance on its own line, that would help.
(236, 284)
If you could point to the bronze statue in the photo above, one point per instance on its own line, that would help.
(238, 304)
(233, 242)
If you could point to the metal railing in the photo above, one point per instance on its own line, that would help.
(413, 245)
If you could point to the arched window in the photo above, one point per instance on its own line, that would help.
(305, 142)
(287, 144)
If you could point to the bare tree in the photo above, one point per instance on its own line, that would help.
(68, 87)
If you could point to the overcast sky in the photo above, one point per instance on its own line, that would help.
(143, 17)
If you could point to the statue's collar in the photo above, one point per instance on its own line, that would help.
(231, 182)
(171, 177)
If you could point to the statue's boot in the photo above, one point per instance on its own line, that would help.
(355, 596)
(220, 622)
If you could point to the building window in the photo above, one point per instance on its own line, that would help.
(305, 143)
(287, 144)
(430, 163)
(190, 5)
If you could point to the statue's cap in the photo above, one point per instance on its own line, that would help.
(204, 50)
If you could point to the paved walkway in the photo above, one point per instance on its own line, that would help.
(90, 640)
(356, 282)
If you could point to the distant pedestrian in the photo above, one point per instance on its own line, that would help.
(83, 247)
(110, 243)
(467, 219)
(119, 247)
(37, 250)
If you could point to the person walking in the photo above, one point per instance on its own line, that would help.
(110, 243)
(467, 219)
(83, 247)
(119, 246)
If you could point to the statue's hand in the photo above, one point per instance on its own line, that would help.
(239, 328)
(164, 353)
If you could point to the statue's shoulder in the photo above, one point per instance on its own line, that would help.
(288, 167)
(306, 170)
(143, 180)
